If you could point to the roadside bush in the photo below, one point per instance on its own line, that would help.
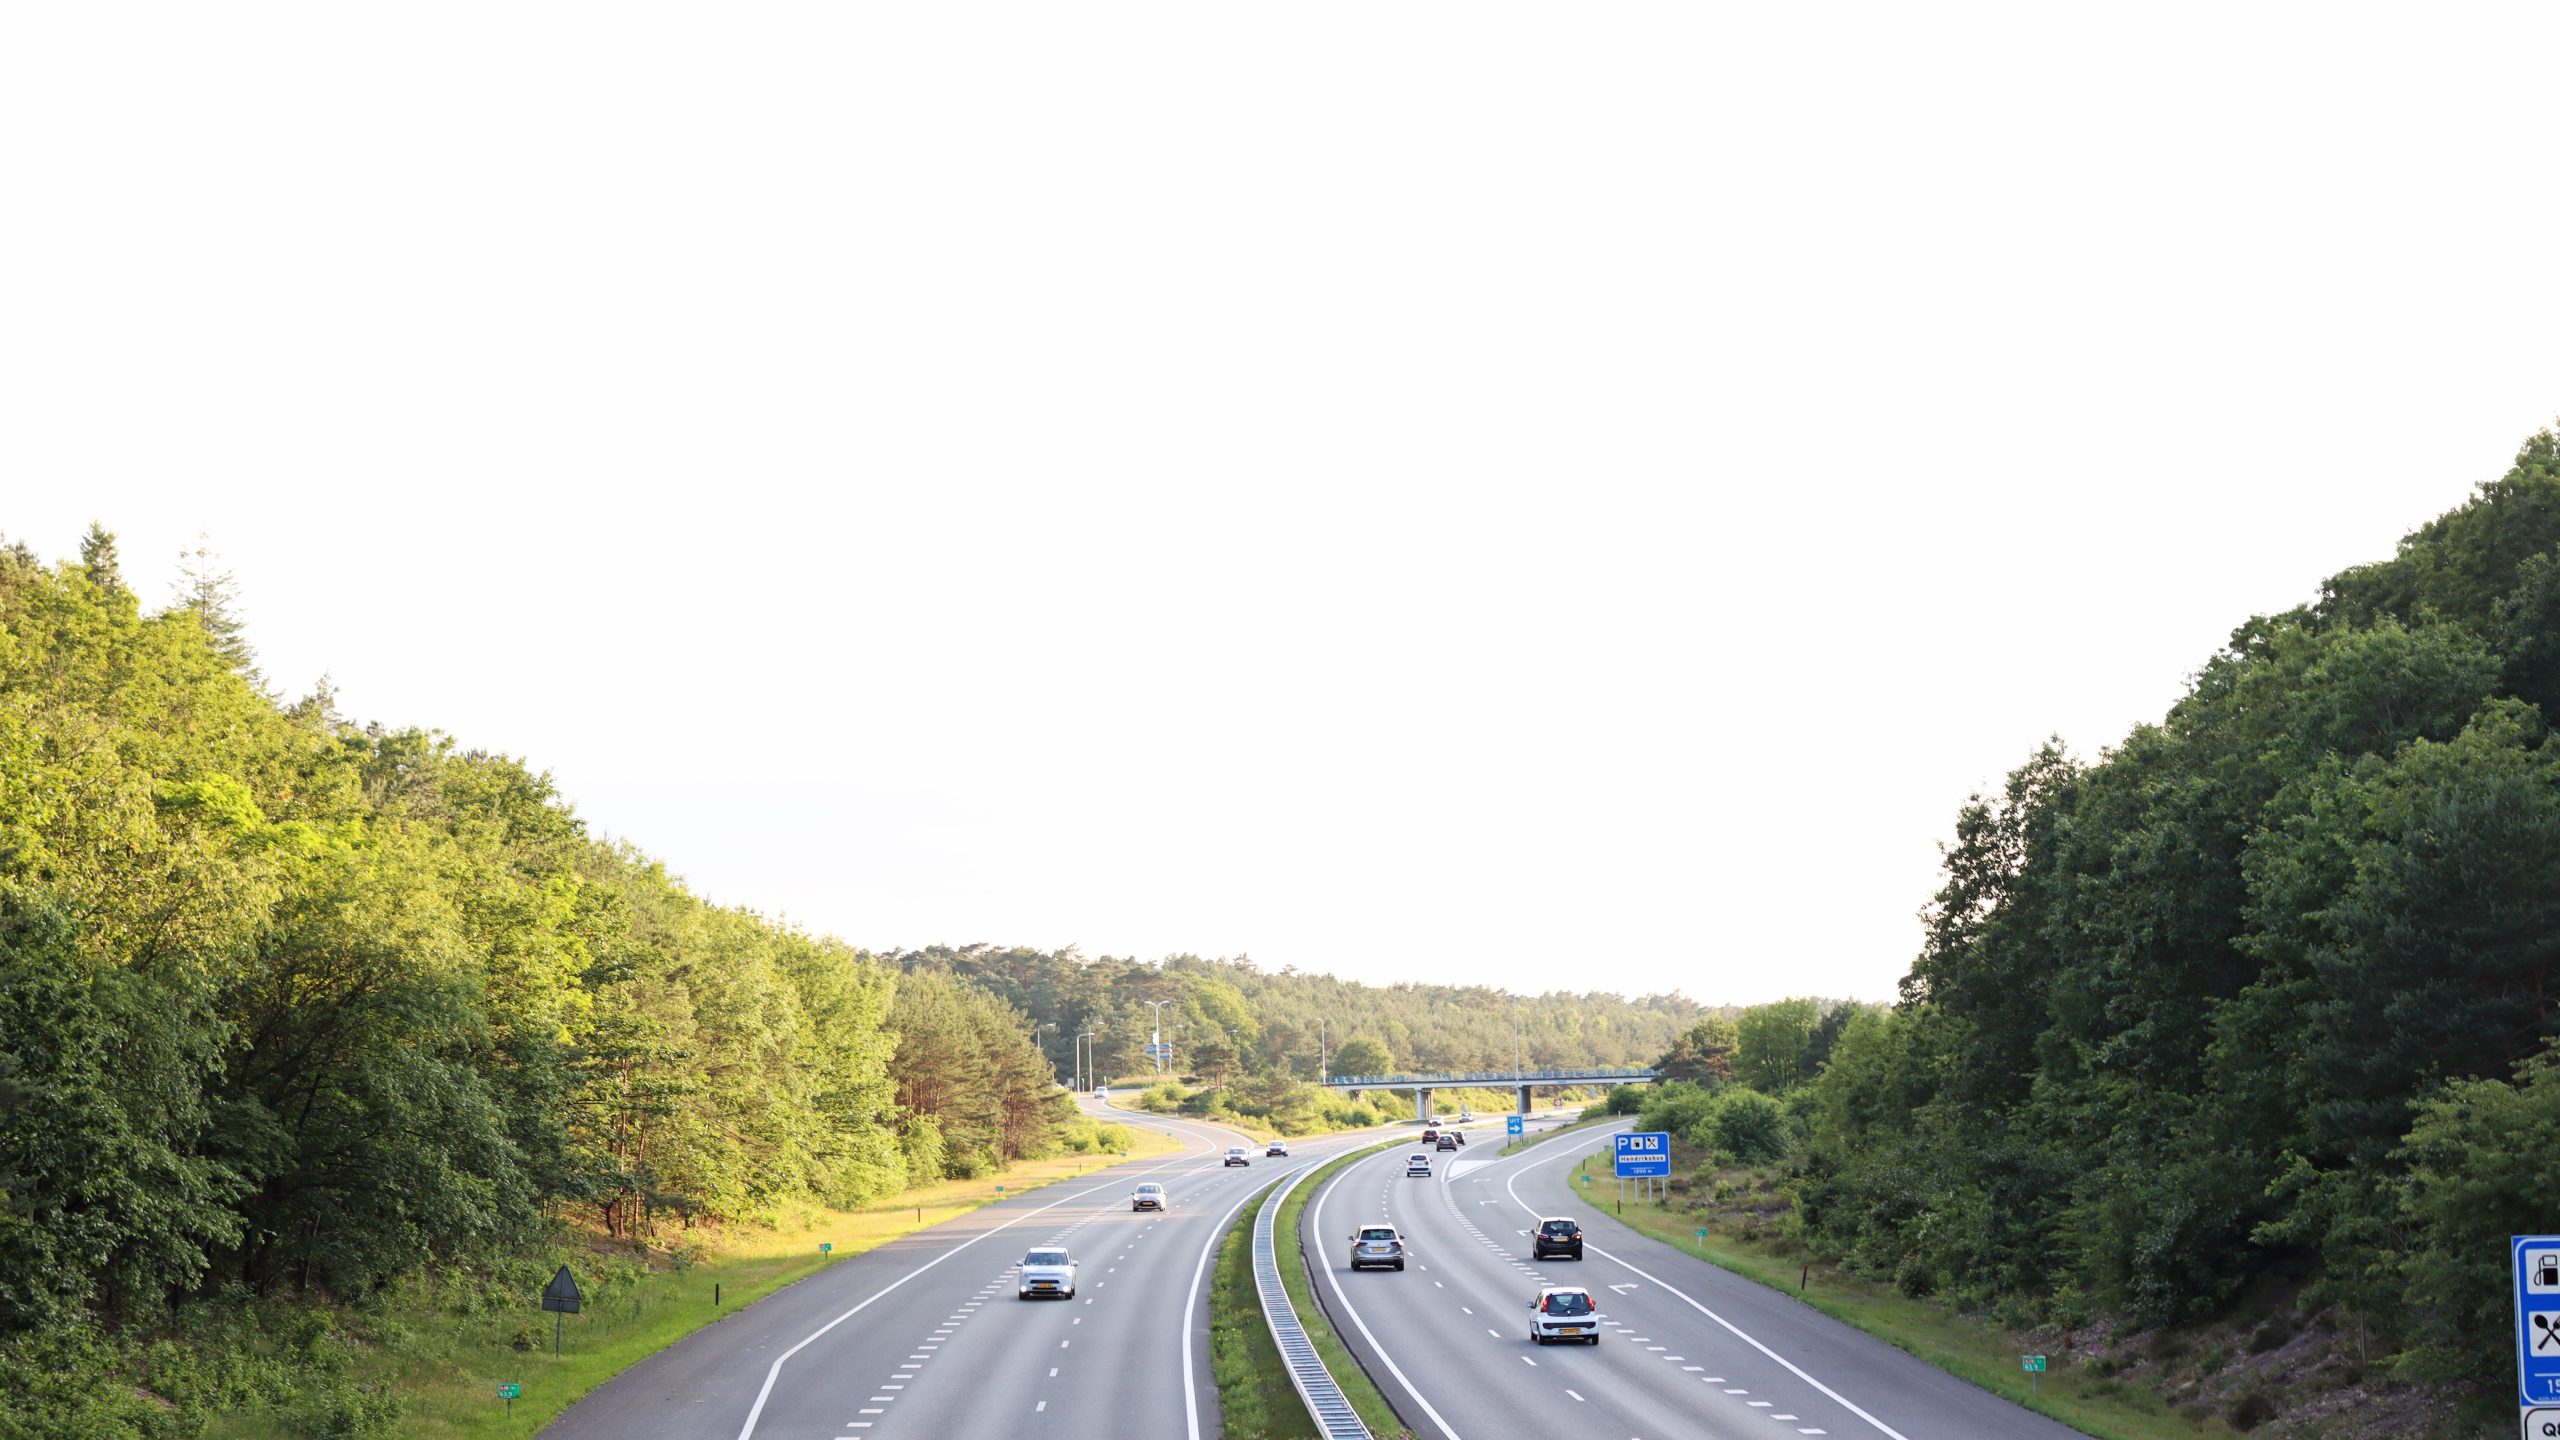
(1749, 1127)
(1621, 1100)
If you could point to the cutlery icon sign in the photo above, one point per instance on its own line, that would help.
(2547, 1335)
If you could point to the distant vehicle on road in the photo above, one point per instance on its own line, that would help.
(1236, 1156)
(1046, 1272)
(1418, 1165)
(1101, 1092)
(1449, 1141)
(1563, 1312)
(1377, 1245)
(1465, 1116)
(1556, 1235)
(1149, 1196)
(1430, 1133)
(1279, 1148)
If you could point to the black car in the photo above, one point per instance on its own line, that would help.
(1449, 1140)
(1556, 1235)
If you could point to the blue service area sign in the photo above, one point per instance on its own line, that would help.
(1644, 1155)
(1511, 1123)
(2538, 1319)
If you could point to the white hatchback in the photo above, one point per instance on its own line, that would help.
(1418, 1165)
(1564, 1312)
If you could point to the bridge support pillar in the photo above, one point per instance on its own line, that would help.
(1421, 1103)
(1524, 1099)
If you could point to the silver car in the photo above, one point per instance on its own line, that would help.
(1149, 1196)
(1377, 1245)
(1046, 1272)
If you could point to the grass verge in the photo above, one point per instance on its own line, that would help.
(1255, 1399)
(443, 1348)
(2077, 1396)
(1347, 1372)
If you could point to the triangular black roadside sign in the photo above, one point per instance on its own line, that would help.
(562, 1293)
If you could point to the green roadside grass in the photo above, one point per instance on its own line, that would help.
(1255, 1399)
(2078, 1396)
(444, 1355)
(1356, 1387)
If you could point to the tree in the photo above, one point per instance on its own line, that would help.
(1361, 1055)
(98, 560)
(1703, 1055)
(1773, 1044)
(207, 590)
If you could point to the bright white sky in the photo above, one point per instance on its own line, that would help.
(1560, 496)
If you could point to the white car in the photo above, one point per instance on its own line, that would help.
(1564, 1312)
(1279, 1150)
(1046, 1271)
(1418, 1165)
(1102, 1092)
(1466, 1117)
(1149, 1196)
(1236, 1156)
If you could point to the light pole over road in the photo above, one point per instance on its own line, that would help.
(1081, 1037)
(1155, 1047)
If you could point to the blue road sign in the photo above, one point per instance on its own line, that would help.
(1644, 1155)
(1511, 1123)
(2538, 1319)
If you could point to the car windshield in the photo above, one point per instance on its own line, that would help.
(1150, 1189)
(1421, 1159)
(1045, 1257)
(1571, 1303)
(1559, 1227)
(1378, 1232)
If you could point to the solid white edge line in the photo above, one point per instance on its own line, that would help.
(1334, 1278)
(1738, 1332)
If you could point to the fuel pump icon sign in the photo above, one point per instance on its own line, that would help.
(2545, 1268)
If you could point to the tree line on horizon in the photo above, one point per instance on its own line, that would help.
(1229, 1017)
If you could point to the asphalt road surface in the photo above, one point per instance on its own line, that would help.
(1686, 1349)
(923, 1338)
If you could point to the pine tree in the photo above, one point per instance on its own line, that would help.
(98, 558)
(211, 593)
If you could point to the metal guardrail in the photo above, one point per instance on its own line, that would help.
(1505, 1077)
(1332, 1412)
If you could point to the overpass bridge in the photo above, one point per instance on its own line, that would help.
(1523, 1081)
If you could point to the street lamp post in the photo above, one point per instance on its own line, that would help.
(1082, 1037)
(1155, 1035)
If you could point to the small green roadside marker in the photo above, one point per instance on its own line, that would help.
(1702, 1239)
(508, 1392)
(999, 1192)
(2034, 1366)
(826, 1247)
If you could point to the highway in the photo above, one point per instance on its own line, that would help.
(924, 1338)
(1686, 1349)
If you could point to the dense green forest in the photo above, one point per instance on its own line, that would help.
(2266, 993)
(293, 1005)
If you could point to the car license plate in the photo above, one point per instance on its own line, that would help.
(1573, 1329)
